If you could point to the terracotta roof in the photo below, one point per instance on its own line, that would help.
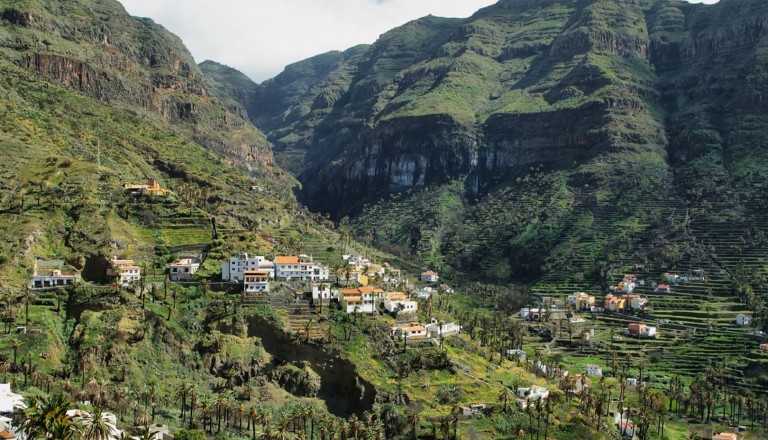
(429, 272)
(353, 299)
(256, 272)
(350, 292)
(366, 289)
(293, 259)
(6, 434)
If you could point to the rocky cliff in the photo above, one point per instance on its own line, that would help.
(97, 49)
(611, 103)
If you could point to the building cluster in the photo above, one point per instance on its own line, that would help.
(53, 274)
(256, 271)
(617, 303)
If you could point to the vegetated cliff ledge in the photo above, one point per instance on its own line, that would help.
(342, 389)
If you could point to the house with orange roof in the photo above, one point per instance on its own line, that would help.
(429, 276)
(725, 436)
(124, 272)
(299, 267)
(357, 300)
(256, 281)
(152, 187)
(414, 330)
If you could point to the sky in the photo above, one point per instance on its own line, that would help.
(261, 37)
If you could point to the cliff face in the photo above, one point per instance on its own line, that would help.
(97, 49)
(609, 102)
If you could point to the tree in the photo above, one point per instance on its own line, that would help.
(27, 298)
(97, 426)
(15, 345)
(46, 417)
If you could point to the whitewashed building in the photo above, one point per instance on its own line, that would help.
(234, 269)
(256, 281)
(183, 269)
(124, 272)
(299, 267)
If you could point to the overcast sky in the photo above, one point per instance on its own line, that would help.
(260, 37)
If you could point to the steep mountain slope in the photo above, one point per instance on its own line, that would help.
(91, 98)
(551, 133)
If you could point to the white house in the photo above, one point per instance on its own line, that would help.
(323, 291)
(631, 382)
(183, 269)
(662, 288)
(648, 332)
(517, 354)
(412, 331)
(594, 370)
(638, 302)
(533, 393)
(124, 271)
(234, 269)
(397, 302)
(300, 267)
(9, 400)
(256, 281)
(429, 276)
(53, 278)
(743, 319)
(357, 300)
(435, 329)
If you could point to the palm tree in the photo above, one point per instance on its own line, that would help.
(46, 417)
(504, 397)
(15, 345)
(27, 298)
(97, 426)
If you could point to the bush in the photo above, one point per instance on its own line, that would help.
(189, 434)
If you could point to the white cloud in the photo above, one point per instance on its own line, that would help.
(260, 37)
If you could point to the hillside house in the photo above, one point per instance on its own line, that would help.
(323, 291)
(532, 393)
(631, 382)
(594, 370)
(476, 409)
(152, 187)
(52, 275)
(518, 355)
(412, 331)
(123, 272)
(429, 276)
(662, 288)
(636, 302)
(183, 269)
(743, 319)
(614, 303)
(530, 314)
(435, 329)
(581, 301)
(397, 302)
(355, 275)
(763, 347)
(255, 281)
(725, 436)
(234, 269)
(9, 400)
(299, 267)
(671, 277)
(357, 300)
(641, 330)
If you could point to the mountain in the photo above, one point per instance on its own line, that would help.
(92, 98)
(581, 135)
